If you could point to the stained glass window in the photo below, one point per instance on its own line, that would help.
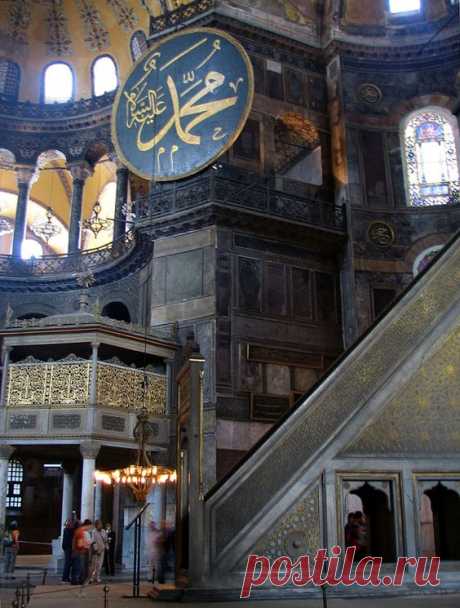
(431, 159)
(9, 78)
(138, 44)
(14, 489)
(425, 258)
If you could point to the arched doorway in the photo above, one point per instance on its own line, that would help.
(374, 500)
(445, 530)
(117, 311)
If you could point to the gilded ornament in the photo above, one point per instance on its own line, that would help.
(381, 234)
(184, 104)
(370, 93)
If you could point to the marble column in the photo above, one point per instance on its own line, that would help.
(67, 498)
(5, 363)
(25, 177)
(89, 451)
(6, 452)
(196, 472)
(98, 500)
(80, 172)
(121, 201)
(93, 385)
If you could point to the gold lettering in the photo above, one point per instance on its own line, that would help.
(180, 55)
(174, 149)
(235, 85)
(218, 134)
(188, 77)
(159, 153)
(216, 47)
(202, 112)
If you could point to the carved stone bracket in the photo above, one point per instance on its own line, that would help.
(6, 451)
(90, 449)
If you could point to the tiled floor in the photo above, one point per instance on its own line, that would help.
(69, 597)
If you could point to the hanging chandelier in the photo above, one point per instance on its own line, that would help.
(95, 223)
(142, 476)
(47, 229)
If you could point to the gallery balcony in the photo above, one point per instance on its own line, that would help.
(82, 376)
(228, 187)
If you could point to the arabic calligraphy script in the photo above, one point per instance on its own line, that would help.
(183, 105)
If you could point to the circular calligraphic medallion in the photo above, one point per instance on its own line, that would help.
(381, 234)
(183, 105)
(370, 93)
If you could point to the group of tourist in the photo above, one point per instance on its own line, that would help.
(357, 534)
(87, 547)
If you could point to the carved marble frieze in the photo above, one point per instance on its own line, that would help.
(424, 416)
(302, 437)
(294, 533)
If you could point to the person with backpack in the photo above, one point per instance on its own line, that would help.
(10, 549)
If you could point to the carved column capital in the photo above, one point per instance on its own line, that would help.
(80, 171)
(26, 175)
(90, 449)
(6, 451)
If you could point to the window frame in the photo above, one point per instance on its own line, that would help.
(93, 80)
(406, 15)
(43, 84)
(133, 36)
(452, 121)
(17, 67)
(10, 494)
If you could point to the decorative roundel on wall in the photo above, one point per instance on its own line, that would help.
(185, 102)
(381, 234)
(294, 544)
(370, 93)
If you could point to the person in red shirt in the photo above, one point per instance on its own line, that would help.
(10, 549)
(81, 545)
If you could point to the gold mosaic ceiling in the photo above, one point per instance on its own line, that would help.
(37, 32)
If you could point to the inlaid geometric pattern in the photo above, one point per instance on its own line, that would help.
(126, 16)
(96, 35)
(58, 39)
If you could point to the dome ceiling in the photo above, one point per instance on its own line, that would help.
(35, 33)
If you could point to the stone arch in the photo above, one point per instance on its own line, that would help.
(49, 156)
(446, 117)
(445, 505)
(422, 245)
(7, 158)
(117, 310)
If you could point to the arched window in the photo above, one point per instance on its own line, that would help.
(105, 77)
(14, 490)
(425, 258)
(138, 44)
(431, 158)
(398, 7)
(31, 249)
(9, 79)
(58, 83)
